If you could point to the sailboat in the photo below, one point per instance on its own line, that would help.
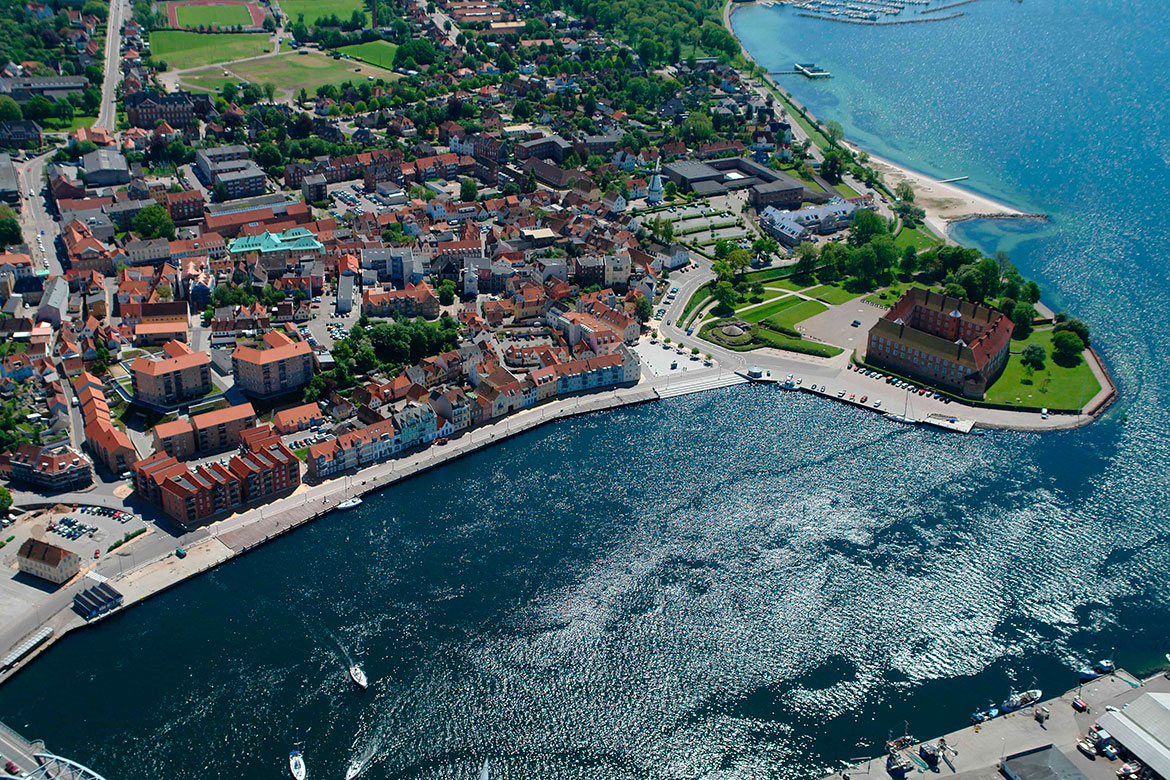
(904, 417)
(485, 771)
(296, 764)
(358, 676)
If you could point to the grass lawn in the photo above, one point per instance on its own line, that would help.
(380, 53)
(771, 338)
(56, 125)
(210, 80)
(768, 309)
(1053, 386)
(294, 71)
(772, 277)
(794, 314)
(213, 16)
(891, 294)
(918, 237)
(767, 296)
(696, 301)
(315, 9)
(302, 453)
(188, 50)
(832, 294)
(845, 191)
(811, 184)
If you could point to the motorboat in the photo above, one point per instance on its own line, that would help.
(296, 764)
(358, 676)
(355, 769)
(350, 503)
(1017, 701)
(1099, 669)
(929, 753)
(1086, 747)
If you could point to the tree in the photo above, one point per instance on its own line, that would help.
(834, 131)
(468, 191)
(315, 390)
(9, 109)
(806, 260)
(832, 167)
(904, 192)
(219, 192)
(154, 222)
(765, 246)
(269, 156)
(1034, 356)
(725, 293)
(5, 501)
(446, 292)
(1076, 326)
(1022, 316)
(1030, 292)
(739, 260)
(1067, 348)
(38, 108)
(866, 225)
(643, 309)
(164, 292)
(723, 248)
(909, 260)
(9, 232)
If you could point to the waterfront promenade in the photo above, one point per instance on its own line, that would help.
(976, 751)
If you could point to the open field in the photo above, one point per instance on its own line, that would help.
(314, 9)
(212, 15)
(794, 314)
(189, 50)
(832, 294)
(209, 80)
(380, 53)
(1053, 386)
(918, 237)
(291, 72)
(766, 311)
(889, 296)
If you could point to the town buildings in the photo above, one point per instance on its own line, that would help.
(276, 366)
(175, 375)
(54, 468)
(265, 469)
(47, 561)
(941, 340)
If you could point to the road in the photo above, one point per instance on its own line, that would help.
(108, 112)
(35, 216)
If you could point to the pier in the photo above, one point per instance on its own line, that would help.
(810, 70)
(946, 7)
(976, 752)
(874, 23)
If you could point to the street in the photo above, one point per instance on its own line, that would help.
(107, 113)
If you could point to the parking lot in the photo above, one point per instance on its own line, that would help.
(659, 359)
(351, 196)
(82, 530)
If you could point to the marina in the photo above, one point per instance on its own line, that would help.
(990, 747)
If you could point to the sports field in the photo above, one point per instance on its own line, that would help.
(380, 53)
(213, 15)
(313, 9)
(189, 50)
(291, 72)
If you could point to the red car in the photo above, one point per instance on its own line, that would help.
(12, 769)
(864, 398)
(97, 553)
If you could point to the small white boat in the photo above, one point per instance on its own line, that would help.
(358, 676)
(355, 769)
(296, 764)
(350, 503)
(485, 772)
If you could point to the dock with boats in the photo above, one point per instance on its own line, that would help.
(977, 751)
(877, 12)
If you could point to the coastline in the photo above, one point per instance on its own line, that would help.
(945, 203)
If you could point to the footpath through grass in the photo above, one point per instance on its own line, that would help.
(380, 53)
(184, 50)
(767, 310)
(832, 294)
(1054, 386)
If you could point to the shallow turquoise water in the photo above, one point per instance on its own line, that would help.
(742, 584)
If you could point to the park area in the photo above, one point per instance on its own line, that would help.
(315, 9)
(380, 53)
(182, 50)
(289, 73)
(214, 13)
(1053, 386)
